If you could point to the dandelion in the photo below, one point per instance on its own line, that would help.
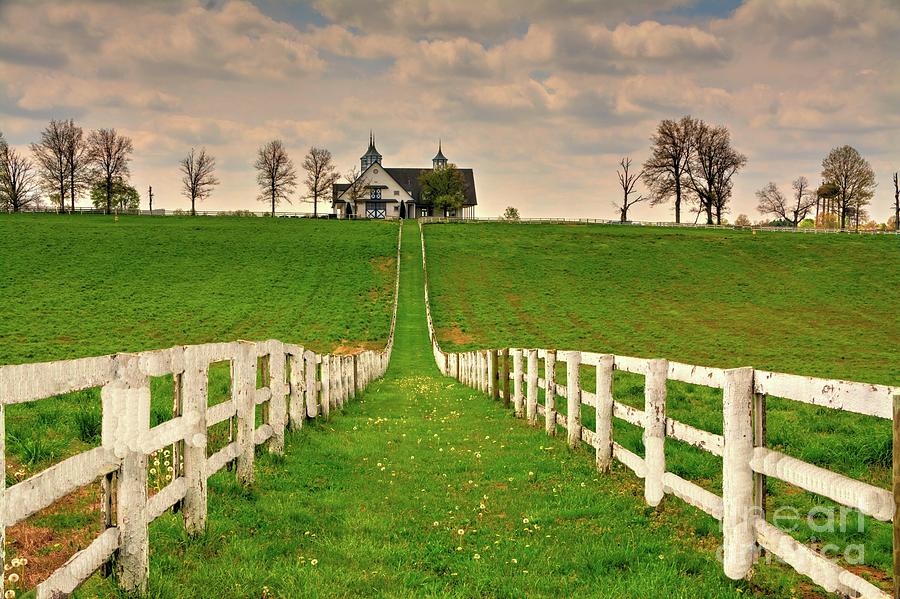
(314, 562)
(10, 594)
(153, 471)
(476, 556)
(460, 532)
(478, 454)
(530, 473)
(524, 520)
(13, 578)
(514, 560)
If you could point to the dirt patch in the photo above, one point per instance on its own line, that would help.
(383, 264)
(348, 350)
(454, 334)
(46, 548)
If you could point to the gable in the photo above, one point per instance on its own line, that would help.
(376, 176)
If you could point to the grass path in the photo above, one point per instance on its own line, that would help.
(423, 487)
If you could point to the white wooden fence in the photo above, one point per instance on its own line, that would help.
(746, 461)
(300, 384)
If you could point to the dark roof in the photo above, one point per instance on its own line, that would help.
(408, 178)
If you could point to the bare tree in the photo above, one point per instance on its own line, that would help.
(711, 168)
(110, 154)
(853, 179)
(50, 154)
(77, 160)
(356, 188)
(665, 170)
(794, 210)
(18, 179)
(275, 175)
(628, 179)
(198, 177)
(320, 175)
(897, 200)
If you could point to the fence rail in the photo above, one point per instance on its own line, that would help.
(513, 375)
(299, 384)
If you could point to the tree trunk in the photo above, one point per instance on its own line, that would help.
(677, 199)
(623, 214)
(108, 194)
(72, 190)
(62, 196)
(709, 220)
(193, 211)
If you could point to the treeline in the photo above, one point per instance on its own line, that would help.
(692, 164)
(65, 164)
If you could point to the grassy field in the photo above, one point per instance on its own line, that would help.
(85, 286)
(424, 488)
(823, 305)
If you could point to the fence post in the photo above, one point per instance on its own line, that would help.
(550, 392)
(277, 397)
(532, 391)
(896, 488)
(573, 397)
(354, 376)
(486, 371)
(482, 371)
(178, 446)
(325, 376)
(195, 382)
(126, 410)
(737, 477)
(603, 437)
(297, 407)
(517, 383)
(506, 397)
(759, 440)
(312, 408)
(495, 376)
(244, 395)
(655, 430)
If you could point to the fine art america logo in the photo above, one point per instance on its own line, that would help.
(815, 529)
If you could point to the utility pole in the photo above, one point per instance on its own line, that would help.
(150, 193)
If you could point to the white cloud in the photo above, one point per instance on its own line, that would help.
(539, 97)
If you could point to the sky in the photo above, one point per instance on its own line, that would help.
(542, 98)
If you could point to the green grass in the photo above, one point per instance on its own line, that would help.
(820, 305)
(373, 502)
(817, 305)
(87, 286)
(377, 496)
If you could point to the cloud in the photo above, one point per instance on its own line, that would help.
(540, 97)
(108, 40)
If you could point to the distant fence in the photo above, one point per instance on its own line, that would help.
(183, 212)
(638, 223)
(299, 384)
(746, 460)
